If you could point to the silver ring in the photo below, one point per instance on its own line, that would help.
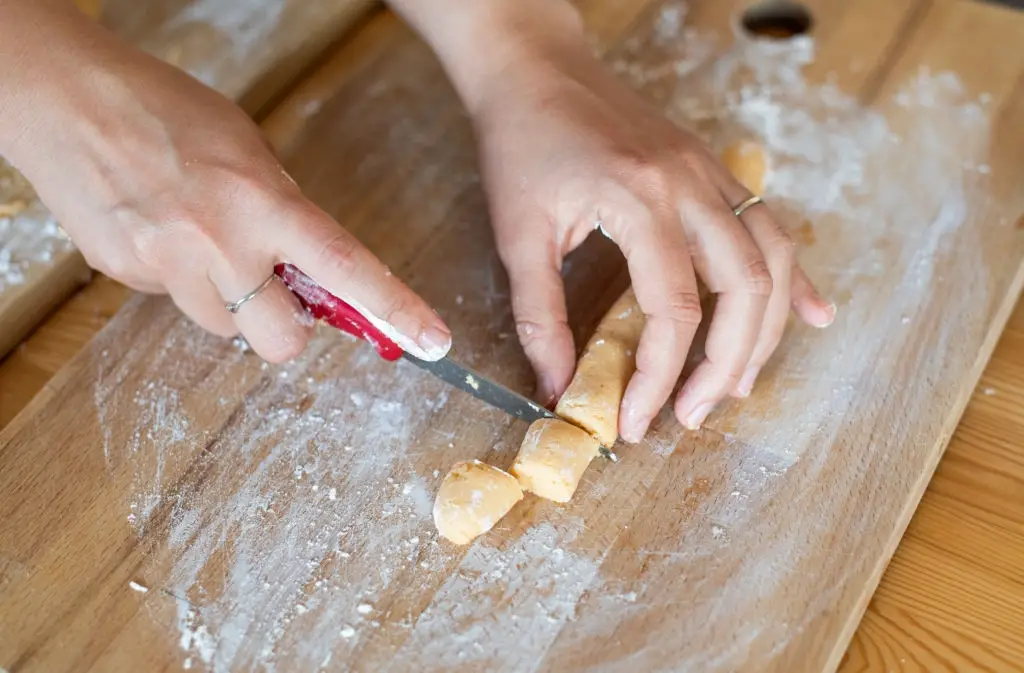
(234, 306)
(752, 201)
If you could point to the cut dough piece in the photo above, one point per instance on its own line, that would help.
(609, 360)
(553, 458)
(747, 161)
(472, 497)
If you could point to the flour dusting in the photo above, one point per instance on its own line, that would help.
(213, 40)
(29, 235)
(889, 189)
(265, 521)
(503, 606)
(833, 162)
(297, 507)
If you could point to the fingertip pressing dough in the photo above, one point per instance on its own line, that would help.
(748, 163)
(472, 497)
(553, 458)
(593, 397)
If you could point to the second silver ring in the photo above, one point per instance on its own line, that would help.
(742, 208)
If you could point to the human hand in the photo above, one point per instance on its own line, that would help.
(168, 187)
(566, 148)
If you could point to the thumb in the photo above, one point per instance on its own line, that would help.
(538, 305)
(338, 262)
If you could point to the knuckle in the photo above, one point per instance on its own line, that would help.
(397, 307)
(695, 166)
(684, 307)
(148, 246)
(340, 251)
(758, 278)
(646, 172)
(532, 332)
(783, 248)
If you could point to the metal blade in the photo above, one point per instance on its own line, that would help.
(486, 390)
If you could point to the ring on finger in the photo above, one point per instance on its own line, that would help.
(234, 306)
(748, 203)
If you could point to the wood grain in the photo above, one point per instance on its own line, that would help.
(952, 595)
(247, 50)
(27, 369)
(631, 582)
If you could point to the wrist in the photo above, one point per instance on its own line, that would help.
(483, 43)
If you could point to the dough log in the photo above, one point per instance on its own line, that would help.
(552, 459)
(555, 454)
(472, 497)
(609, 360)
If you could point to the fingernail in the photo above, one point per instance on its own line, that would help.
(746, 384)
(697, 416)
(634, 435)
(435, 341)
(633, 428)
(831, 317)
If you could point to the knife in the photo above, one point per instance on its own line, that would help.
(339, 314)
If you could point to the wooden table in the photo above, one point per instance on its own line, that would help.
(953, 593)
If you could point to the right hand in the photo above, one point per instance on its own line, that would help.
(168, 187)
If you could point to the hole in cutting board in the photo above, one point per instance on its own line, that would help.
(777, 20)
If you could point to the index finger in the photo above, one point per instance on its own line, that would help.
(666, 289)
(343, 266)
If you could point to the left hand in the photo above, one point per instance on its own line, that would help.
(564, 147)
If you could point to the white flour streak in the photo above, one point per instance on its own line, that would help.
(242, 28)
(504, 606)
(265, 521)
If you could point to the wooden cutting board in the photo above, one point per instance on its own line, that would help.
(195, 508)
(249, 50)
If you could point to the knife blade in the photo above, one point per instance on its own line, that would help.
(491, 393)
(338, 313)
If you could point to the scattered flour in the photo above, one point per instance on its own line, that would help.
(135, 586)
(29, 236)
(254, 544)
(242, 27)
(251, 541)
(890, 187)
(503, 606)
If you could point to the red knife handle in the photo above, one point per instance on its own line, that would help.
(337, 313)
